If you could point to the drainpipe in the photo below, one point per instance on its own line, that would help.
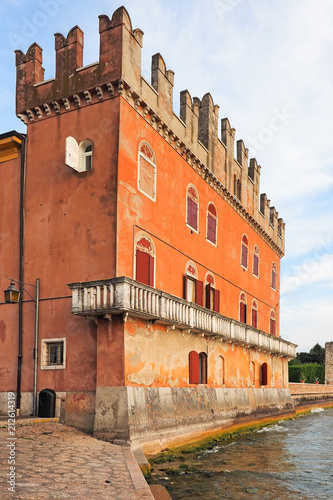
(36, 348)
(21, 274)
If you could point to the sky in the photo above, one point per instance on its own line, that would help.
(268, 65)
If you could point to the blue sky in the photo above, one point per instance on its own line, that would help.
(268, 65)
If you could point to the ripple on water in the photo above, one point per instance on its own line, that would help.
(290, 460)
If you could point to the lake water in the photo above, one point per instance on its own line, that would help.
(290, 460)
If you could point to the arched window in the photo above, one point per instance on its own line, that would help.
(242, 308)
(203, 368)
(193, 288)
(197, 368)
(79, 156)
(272, 323)
(144, 260)
(222, 370)
(192, 207)
(86, 155)
(264, 375)
(211, 223)
(147, 170)
(212, 296)
(256, 261)
(244, 251)
(254, 315)
(273, 276)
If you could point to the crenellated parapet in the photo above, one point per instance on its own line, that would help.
(193, 134)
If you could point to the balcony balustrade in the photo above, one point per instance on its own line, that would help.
(124, 295)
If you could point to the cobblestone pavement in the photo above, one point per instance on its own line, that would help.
(53, 461)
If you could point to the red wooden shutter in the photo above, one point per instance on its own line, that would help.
(142, 267)
(151, 270)
(244, 255)
(193, 367)
(256, 265)
(211, 229)
(207, 293)
(185, 287)
(199, 293)
(189, 211)
(264, 374)
(217, 301)
(192, 213)
(254, 318)
(242, 308)
(272, 329)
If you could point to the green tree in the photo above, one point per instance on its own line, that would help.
(318, 354)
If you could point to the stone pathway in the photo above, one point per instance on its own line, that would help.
(53, 461)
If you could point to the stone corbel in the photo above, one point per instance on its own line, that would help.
(87, 96)
(125, 316)
(56, 106)
(137, 104)
(30, 115)
(145, 110)
(47, 109)
(99, 92)
(110, 88)
(23, 118)
(121, 87)
(66, 103)
(77, 100)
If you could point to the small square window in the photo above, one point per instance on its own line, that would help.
(53, 354)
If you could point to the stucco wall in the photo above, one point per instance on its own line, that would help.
(157, 355)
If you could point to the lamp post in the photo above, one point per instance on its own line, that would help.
(12, 296)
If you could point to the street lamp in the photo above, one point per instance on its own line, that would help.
(12, 296)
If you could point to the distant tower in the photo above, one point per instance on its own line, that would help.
(329, 362)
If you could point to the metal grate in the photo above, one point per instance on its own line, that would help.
(54, 353)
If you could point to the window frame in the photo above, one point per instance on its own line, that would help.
(272, 323)
(256, 255)
(44, 354)
(243, 302)
(254, 308)
(245, 245)
(196, 202)
(152, 163)
(214, 218)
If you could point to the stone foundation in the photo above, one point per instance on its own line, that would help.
(156, 417)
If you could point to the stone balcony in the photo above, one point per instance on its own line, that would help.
(103, 298)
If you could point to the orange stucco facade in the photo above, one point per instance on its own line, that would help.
(143, 214)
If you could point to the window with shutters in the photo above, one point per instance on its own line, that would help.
(192, 207)
(193, 288)
(53, 354)
(254, 318)
(145, 260)
(79, 156)
(242, 308)
(244, 251)
(255, 270)
(211, 223)
(147, 170)
(273, 276)
(272, 323)
(197, 368)
(212, 296)
(264, 374)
